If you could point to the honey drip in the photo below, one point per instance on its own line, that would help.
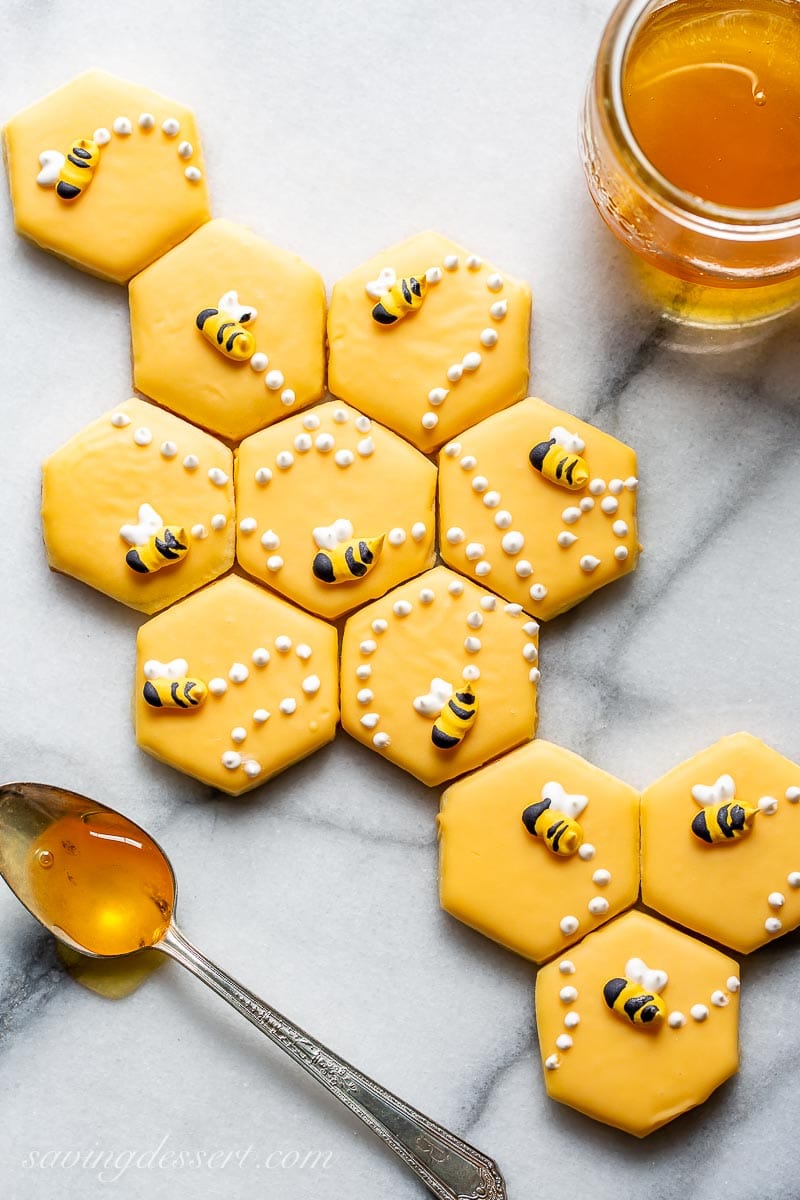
(102, 881)
(712, 95)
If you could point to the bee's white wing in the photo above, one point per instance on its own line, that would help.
(175, 669)
(140, 532)
(51, 162)
(328, 537)
(723, 789)
(380, 286)
(243, 313)
(651, 980)
(570, 441)
(432, 704)
(563, 801)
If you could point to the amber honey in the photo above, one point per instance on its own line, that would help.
(712, 95)
(102, 881)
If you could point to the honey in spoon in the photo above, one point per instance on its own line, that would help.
(101, 881)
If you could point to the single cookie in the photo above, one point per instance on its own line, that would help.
(638, 1025)
(428, 338)
(721, 843)
(139, 505)
(333, 509)
(538, 849)
(439, 676)
(106, 174)
(229, 330)
(539, 506)
(234, 685)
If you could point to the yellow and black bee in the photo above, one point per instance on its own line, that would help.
(223, 327)
(403, 297)
(349, 561)
(166, 546)
(456, 719)
(72, 173)
(561, 834)
(559, 465)
(183, 693)
(722, 823)
(634, 1003)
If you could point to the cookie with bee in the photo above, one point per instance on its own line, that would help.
(454, 711)
(559, 459)
(71, 173)
(154, 545)
(224, 327)
(554, 819)
(343, 557)
(635, 997)
(396, 298)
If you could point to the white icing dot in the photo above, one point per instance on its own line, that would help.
(513, 542)
(146, 121)
(566, 966)
(303, 651)
(252, 769)
(598, 905)
(587, 852)
(363, 424)
(401, 608)
(495, 282)
(122, 126)
(185, 150)
(274, 563)
(340, 416)
(597, 486)
(552, 1062)
(601, 877)
(568, 995)
(218, 522)
(615, 486)
(483, 568)
(450, 262)
(288, 397)
(530, 628)
(473, 262)
(238, 734)
(621, 553)
(232, 760)
(491, 499)
(566, 539)
(344, 458)
(217, 477)
(325, 443)
(793, 879)
(776, 899)
(429, 421)
(287, 706)
(452, 449)
(513, 610)
(283, 643)
(437, 396)
(303, 443)
(364, 696)
(534, 675)
(238, 673)
(470, 674)
(538, 591)
(379, 625)
(572, 1020)
(631, 483)
(396, 537)
(311, 684)
(274, 380)
(569, 925)
(261, 656)
(698, 1012)
(143, 436)
(480, 483)
(469, 462)
(609, 505)
(366, 447)
(474, 620)
(259, 362)
(285, 460)
(586, 504)
(270, 540)
(472, 645)
(589, 563)
(248, 525)
(120, 420)
(418, 531)
(773, 925)
(102, 136)
(488, 603)
(620, 528)
(168, 449)
(364, 671)
(719, 999)
(171, 127)
(503, 519)
(217, 686)
(768, 805)
(498, 310)
(732, 983)
(368, 646)
(261, 716)
(530, 652)
(427, 596)
(570, 515)
(193, 174)
(564, 1041)
(455, 534)
(471, 361)
(474, 550)
(381, 740)
(199, 532)
(676, 1020)
(455, 372)
(456, 588)
(263, 475)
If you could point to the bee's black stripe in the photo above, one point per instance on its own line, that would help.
(560, 466)
(165, 549)
(221, 331)
(150, 693)
(737, 817)
(67, 191)
(203, 316)
(383, 316)
(322, 568)
(76, 162)
(237, 333)
(634, 1003)
(700, 827)
(406, 292)
(81, 153)
(171, 540)
(570, 469)
(188, 689)
(173, 691)
(464, 714)
(723, 821)
(356, 568)
(465, 697)
(649, 1013)
(556, 832)
(414, 284)
(366, 554)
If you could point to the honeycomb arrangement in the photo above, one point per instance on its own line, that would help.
(419, 483)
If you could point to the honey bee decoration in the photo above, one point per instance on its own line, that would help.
(153, 544)
(224, 327)
(343, 558)
(71, 173)
(559, 459)
(454, 712)
(396, 298)
(723, 821)
(553, 819)
(169, 686)
(636, 997)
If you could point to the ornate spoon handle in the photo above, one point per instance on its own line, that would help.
(450, 1168)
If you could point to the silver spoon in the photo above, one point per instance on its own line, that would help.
(101, 884)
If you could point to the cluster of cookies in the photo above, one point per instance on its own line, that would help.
(433, 516)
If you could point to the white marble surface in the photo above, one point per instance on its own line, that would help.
(333, 130)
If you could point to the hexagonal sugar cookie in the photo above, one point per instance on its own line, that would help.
(721, 843)
(538, 849)
(139, 505)
(234, 685)
(539, 506)
(106, 174)
(428, 338)
(439, 676)
(229, 330)
(638, 1025)
(333, 509)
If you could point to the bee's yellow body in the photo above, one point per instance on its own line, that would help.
(456, 719)
(226, 334)
(723, 823)
(632, 1002)
(168, 545)
(184, 693)
(78, 169)
(560, 833)
(403, 297)
(560, 466)
(349, 561)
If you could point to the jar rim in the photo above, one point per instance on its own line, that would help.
(623, 26)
